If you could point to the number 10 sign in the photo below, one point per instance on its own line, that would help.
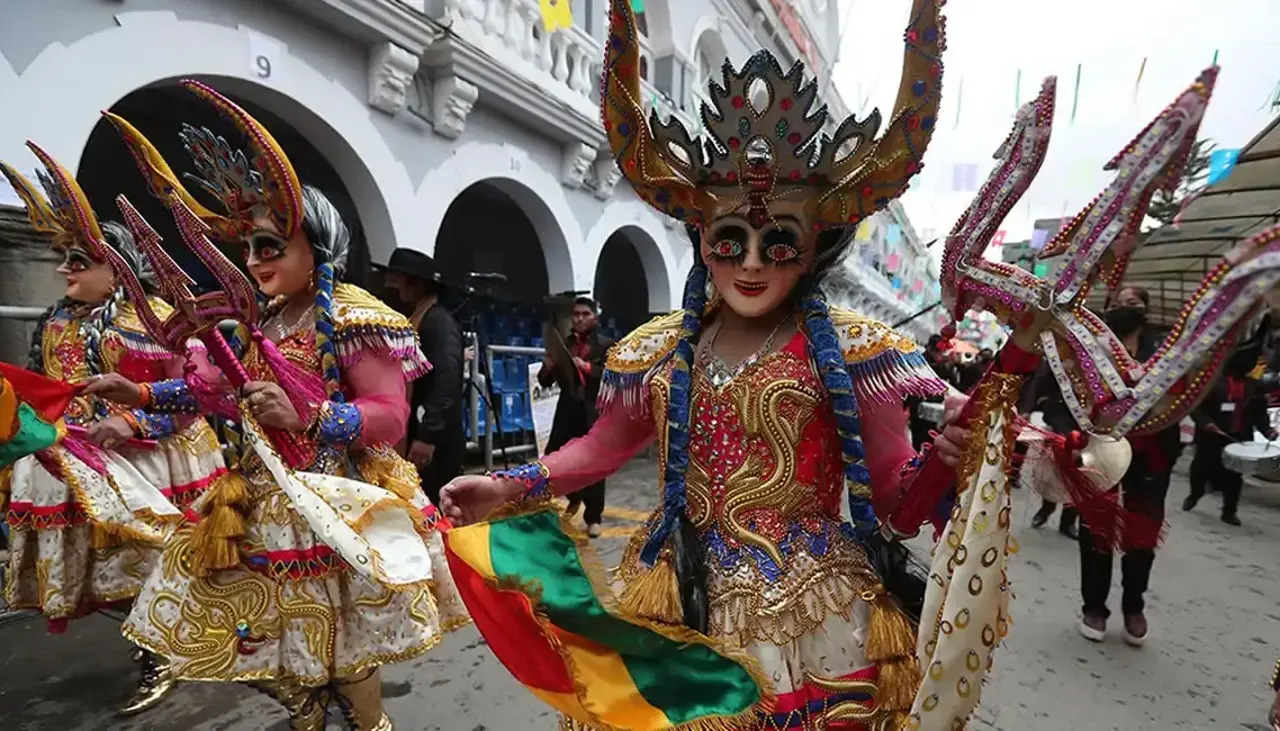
(264, 56)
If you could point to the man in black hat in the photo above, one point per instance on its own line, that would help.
(435, 442)
(579, 382)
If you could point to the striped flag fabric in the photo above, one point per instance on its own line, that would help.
(31, 408)
(543, 607)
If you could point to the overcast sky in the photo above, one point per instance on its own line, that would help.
(990, 40)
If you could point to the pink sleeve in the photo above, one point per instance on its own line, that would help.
(616, 437)
(375, 385)
(888, 448)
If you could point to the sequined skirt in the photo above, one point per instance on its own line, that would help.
(292, 608)
(81, 538)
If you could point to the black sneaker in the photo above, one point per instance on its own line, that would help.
(1231, 520)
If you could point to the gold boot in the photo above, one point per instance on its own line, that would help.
(305, 705)
(154, 684)
(361, 701)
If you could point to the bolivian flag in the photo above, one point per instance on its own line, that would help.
(544, 609)
(31, 408)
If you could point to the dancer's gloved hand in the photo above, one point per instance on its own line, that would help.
(468, 499)
(114, 387)
(271, 406)
(110, 433)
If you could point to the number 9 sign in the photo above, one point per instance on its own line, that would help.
(264, 54)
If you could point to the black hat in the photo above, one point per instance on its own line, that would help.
(413, 263)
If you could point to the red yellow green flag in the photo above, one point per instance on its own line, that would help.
(545, 611)
(31, 408)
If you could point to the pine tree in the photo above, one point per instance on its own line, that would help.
(1195, 176)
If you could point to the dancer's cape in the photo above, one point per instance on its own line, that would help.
(540, 600)
(31, 408)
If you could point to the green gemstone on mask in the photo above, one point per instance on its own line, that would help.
(781, 128)
(744, 126)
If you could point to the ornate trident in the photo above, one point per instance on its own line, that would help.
(1109, 392)
(197, 316)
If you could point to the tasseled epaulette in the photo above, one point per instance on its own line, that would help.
(633, 359)
(886, 367)
(363, 323)
(128, 328)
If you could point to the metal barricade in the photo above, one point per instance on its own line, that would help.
(11, 312)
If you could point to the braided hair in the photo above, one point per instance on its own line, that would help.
(331, 241)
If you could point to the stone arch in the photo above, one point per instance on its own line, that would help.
(510, 169)
(150, 47)
(645, 232)
(659, 27)
(708, 41)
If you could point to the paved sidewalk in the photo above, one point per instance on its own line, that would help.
(1214, 610)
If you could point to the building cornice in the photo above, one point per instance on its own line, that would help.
(402, 22)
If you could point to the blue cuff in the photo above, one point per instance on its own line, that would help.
(535, 478)
(338, 424)
(173, 396)
(154, 426)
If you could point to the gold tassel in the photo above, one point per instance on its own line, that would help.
(215, 540)
(898, 683)
(380, 465)
(891, 644)
(890, 634)
(654, 595)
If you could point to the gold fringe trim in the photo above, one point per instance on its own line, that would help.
(380, 465)
(215, 540)
(654, 595)
(103, 536)
(891, 644)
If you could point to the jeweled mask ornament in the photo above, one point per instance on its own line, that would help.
(765, 141)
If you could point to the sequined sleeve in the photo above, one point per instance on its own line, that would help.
(377, 410)
(632, 361)
(616, 437)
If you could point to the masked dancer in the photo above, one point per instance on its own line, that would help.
(301, 586)
(769, 406)
(87, 517)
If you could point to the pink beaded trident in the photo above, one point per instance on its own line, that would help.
(1048, 315)
(197, 316)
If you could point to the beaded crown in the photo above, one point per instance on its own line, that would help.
(63, 211)
(262, 183)
(764, 138)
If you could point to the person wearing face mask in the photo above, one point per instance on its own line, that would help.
(1233, 409)
(323, 540)
(87, 517)
(769, 406)
(1143, 489)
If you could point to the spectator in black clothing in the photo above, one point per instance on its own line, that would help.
(920, 427)
(435, 442)
(1143, 489)
(1235, 406)
(576, 408)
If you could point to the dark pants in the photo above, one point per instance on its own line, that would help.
(571, 423)
(591, 496)
(1207, 469)
(1069, 514)
(1144, 493)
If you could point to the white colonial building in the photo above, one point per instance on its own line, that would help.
(458, 127)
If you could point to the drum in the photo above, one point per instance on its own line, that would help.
(1252, 458)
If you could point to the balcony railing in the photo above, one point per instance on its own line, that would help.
(566, 61)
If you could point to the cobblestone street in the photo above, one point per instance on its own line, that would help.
(1214, 611)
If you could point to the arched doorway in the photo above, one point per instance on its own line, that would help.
(631, 282)
(485, 230)
(107, 169)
